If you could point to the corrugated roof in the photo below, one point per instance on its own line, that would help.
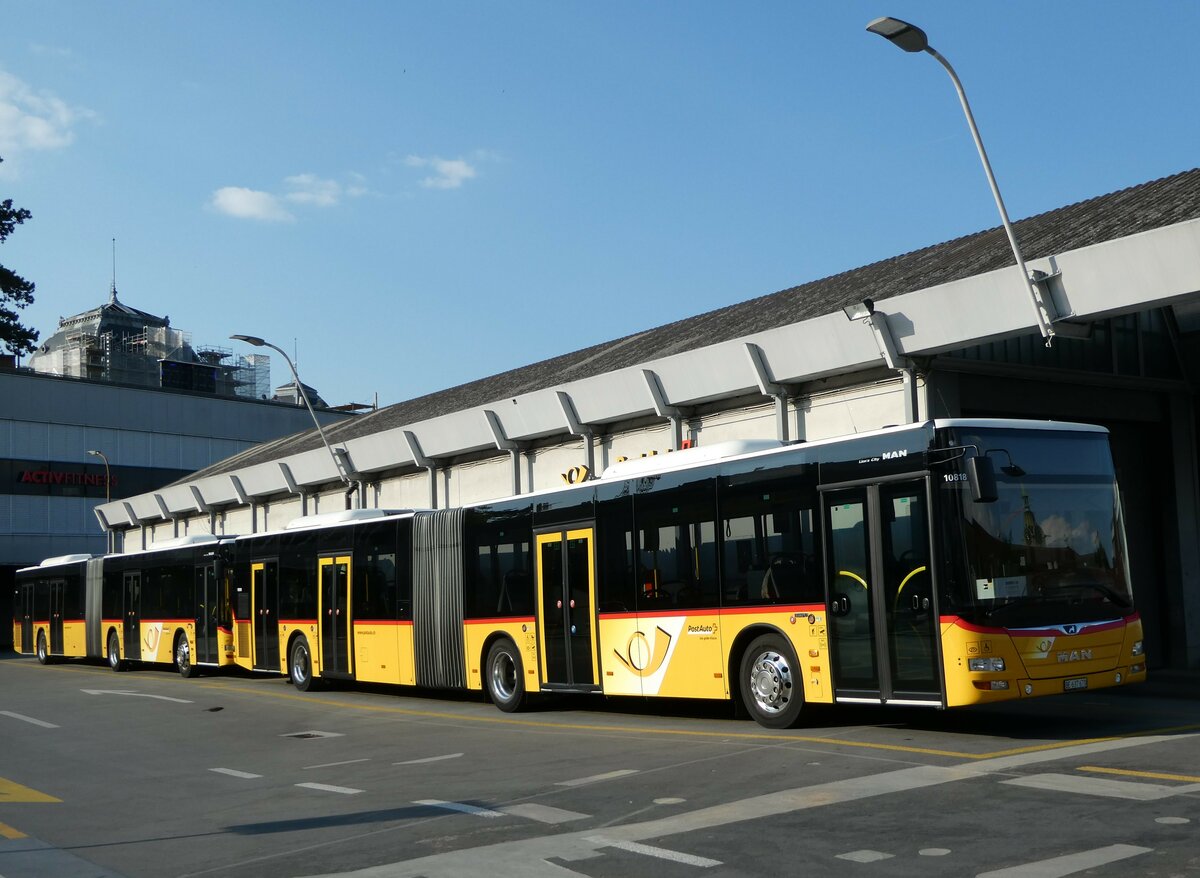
(1147, 206)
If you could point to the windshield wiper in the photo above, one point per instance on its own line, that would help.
(1114, 596)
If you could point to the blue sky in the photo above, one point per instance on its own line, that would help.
(415, 195)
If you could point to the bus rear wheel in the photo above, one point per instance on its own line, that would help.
(300, 666)
(771, 683)
(505, 676)
(43, 654)
(183, 657)
(114, 652)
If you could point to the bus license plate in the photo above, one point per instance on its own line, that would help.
(1077, 683)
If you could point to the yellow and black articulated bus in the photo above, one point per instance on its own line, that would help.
(941, 564)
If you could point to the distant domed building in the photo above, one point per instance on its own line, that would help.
(123, 345)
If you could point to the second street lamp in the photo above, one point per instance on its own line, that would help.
(339, 465)
(911, 38)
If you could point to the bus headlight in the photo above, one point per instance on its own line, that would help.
(985, 664)
(1138, 649)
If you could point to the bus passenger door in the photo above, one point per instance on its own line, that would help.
(566, 586)
(56, 616)
(26, 616)
(882, 616)
(264, 591)
(133, 614)
(334, 612)
(208, 607)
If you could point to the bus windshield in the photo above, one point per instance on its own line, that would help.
(1051, 549)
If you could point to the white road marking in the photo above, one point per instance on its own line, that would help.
(596, 778)
(428, 759)
(329, 788)
(136, 694)
(865, 856)
(233, 772)
(933, 852)
(1057, 867)
(28, 719)
(333, 764)
(461, 807)
(669, 800)
(1172, 821)
(542, 813)
(649, 851)
(1097, 786)
(528, 858)
(313, 733)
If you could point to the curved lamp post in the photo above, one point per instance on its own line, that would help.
(108, 535)
(261, 343)
(911, 38)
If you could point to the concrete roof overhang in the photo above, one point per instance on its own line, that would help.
(1152, 268)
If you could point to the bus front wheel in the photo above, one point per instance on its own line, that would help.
(505, 677)
(114, 652)
(771, 682)
(43, 654)
(300, 666)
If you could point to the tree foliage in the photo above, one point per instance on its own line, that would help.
(15, 291)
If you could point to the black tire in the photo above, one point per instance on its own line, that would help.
(114, 652)
(300, 669)
(771, 682)
(183, 657)
(43, 654)
(504, 676)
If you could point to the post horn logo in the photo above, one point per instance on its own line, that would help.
(635, 657)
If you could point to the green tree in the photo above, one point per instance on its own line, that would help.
(15, 291)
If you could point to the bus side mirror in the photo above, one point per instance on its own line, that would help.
(981, 476)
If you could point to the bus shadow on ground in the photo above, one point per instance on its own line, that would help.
(357, 818)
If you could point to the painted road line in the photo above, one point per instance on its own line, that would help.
(865, 856)
(334, 764)
(329, 788)
(650, 851)
(529, 857)
(596, 778)
(135, 694)
(28, 719)
(1097, 786)
(428, 759)
(542, 813)
(1056, 867)
(1153, 775)
(12, 792)
(495, 718)
(461, 807)
(10, 833)
(233, 772)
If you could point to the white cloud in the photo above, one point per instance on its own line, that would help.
(311, 189)
(243, 203)
(447, 173)
(34, 120)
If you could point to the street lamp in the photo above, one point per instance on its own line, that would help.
(261, 343)
(108, 534)
(107, 478)
(911, 38)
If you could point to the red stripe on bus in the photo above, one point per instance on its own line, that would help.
(762, 610)
(383, 621)
(1086, 627)
(500, 620)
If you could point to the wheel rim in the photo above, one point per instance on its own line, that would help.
(114, 654)
(504, 676)
(771, 682)
(183, 654)
(41, 649)
(300, 664)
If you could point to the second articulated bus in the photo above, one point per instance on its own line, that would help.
(942, 564)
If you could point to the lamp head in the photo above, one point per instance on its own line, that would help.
(907, 36)
(95, 453)
(859, 310)
(250, 339)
